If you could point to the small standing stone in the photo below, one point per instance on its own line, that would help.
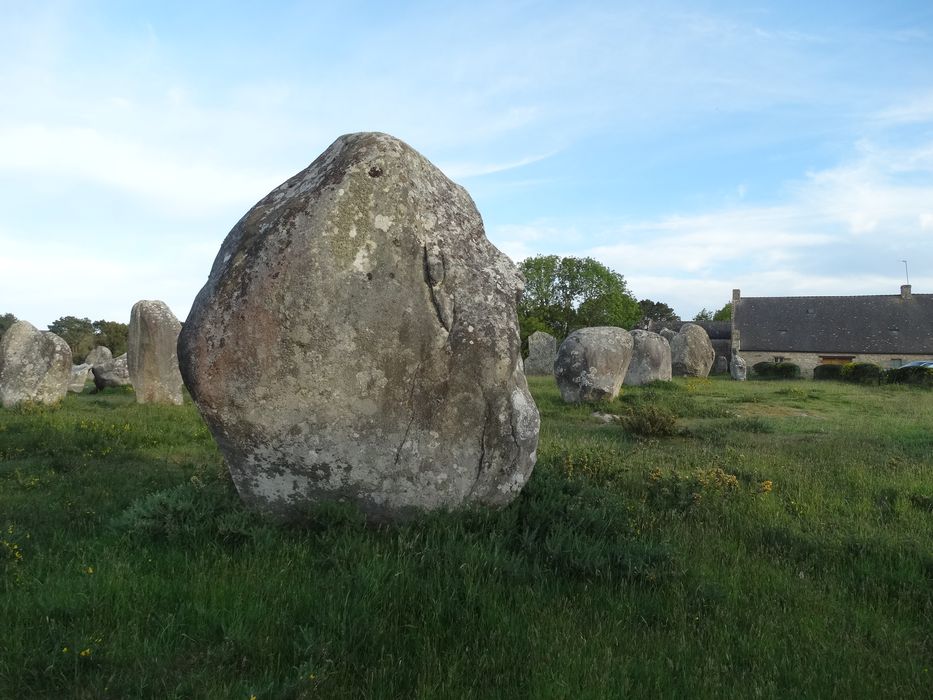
(100, 355)
(542, 351)
(79, 376)
(692, 353)
(592, 362)
(111, 374)
(738, 368)
(34, 366)
(152, 356)
(651, 358)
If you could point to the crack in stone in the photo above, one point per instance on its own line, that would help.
(482, 450)
(434, 273)
(411, 419)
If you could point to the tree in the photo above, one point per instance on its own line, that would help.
(724, 314)
(659, 312)
(77, 332)
(6, 320)
(112, 334)
(563, 294)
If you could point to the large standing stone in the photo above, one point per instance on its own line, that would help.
(35, 366)
(100, 355)
(737, 368)
(542, 351)
(592, 362)
(651, 358)
(668, 334)
(720, 365)
(79, 377)
(357, 339)
(692, 353)
(111, 374)
(152, 353)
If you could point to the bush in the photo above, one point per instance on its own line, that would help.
(821, 372)
(861, 373)
(919, 376)
(776, 370)
(651, 421)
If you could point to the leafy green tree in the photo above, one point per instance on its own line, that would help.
(6, 320)
(563, 294)
(704, 315)
(77, 332)
(724, 314)
(659, 312)
(112, 334)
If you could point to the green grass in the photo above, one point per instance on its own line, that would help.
(779, 544)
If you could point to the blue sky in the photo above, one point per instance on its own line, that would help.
(778, 147)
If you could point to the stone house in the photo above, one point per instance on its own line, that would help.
(888, 330)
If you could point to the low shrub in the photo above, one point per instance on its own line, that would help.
(822, 372)
(861, 373)
(918, 376)
(651, 421)
(776, 370)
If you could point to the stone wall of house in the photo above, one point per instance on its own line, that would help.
(808, 360)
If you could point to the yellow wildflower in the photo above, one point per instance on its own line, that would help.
(85, 652)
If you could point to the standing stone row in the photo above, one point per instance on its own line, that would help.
(36, 366)
(593, 363)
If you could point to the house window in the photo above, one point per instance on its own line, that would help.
(780, 358)
(896, 362)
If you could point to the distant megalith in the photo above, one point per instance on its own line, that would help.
(592, 362)
(720, 365)
(98, 356)
(79, 376)
(738, 368)
(357, 340)
(111, 374)
(692, 353)
(651, 359)
(152, 353)
(542, 351)
(668, 334)
(35, 366)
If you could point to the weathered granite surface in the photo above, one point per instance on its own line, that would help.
(357, 340)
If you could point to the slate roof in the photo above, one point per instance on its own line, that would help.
(882, 324)
(716, 330)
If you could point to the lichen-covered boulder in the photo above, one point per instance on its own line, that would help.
(152, 353)
(357, 340)
(651, 359)
(668, 334)
(79, 376)
(738, 368)
(592, 362)
(542, 351)
(111, 374)
(692, 352)
(35, 366)
(100, 355)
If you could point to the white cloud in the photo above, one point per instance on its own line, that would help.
(467, 170)
(169, 179)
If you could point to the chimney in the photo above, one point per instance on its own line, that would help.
(737, 294)
(905, 291)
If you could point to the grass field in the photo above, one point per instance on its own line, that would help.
(759, 539)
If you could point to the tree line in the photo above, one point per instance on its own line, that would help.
(563, 294)
(82, 334)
